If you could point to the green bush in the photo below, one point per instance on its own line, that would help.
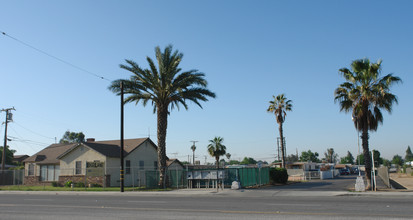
(279, 175)
(96, 185)
(68, 183)
(55, 184)
(80, 184)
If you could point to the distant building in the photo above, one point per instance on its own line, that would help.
(18, 159)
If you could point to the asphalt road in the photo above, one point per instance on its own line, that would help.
(251, 204)
(341, 183)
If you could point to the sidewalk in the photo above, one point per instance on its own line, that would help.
(223, 193)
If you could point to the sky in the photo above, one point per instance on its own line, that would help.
(248, 50)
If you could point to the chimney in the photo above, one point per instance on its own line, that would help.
(90, 140)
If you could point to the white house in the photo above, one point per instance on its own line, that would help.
(92, 162)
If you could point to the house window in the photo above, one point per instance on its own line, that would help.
(127, 167)
(141, 164)
(78, 167)
(155, 165)
(49, 172)
(31, 169)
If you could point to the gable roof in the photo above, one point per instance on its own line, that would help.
(111, 148)
(128, 144)
(169, 162)
(19, 158)
(49, 154)
(53, 153)
(108, 150)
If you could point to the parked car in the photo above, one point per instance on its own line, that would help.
(392, 170)
(344, 172)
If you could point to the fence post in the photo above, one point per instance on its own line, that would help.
(133, 178)
(176, 170)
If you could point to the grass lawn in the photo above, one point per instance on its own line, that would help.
(92, 189)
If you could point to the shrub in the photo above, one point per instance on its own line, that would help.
(80, 184)
(96, 185)
(55, 184)
(279, 175)
(68, 183)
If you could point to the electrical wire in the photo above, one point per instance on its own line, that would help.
(32, 131)
(54, 57)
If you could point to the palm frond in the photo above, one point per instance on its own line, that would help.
(365, 93)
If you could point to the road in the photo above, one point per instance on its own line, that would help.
(342, 183)
(246, 204)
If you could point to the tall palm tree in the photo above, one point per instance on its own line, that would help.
(330, 155)
(216, 149)
(193, 148)
(366, 94)
(279, 106)
(165, 87)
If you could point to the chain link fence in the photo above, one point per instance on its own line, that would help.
(176, 177)
(11, 177)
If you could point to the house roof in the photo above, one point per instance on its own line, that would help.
(52, 153)
(49, 154)
(340, 166)
(128, 144)
(108, 150)
(169, 162)
(19, 158)
(112, 148)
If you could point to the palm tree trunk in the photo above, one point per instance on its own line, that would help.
(162, 117)
(282, 145)
(367, 157)
(217, 162)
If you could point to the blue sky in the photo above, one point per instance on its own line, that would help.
(249, 51)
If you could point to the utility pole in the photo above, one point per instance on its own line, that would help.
(122, 174)
(3, 155)
(193, 151)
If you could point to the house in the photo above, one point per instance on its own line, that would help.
(306, 166)
(92, 162)
(18, 159)
(174, 164)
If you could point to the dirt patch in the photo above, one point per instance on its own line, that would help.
(405, 180)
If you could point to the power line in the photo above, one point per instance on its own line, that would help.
(55, 57)
(32, 131)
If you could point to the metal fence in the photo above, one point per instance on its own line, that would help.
(12, 177)
(309, 175)
(134, 177)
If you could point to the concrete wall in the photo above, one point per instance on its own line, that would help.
(383, 173)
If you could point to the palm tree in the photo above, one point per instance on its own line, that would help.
(330, 155)
(166, 87)
(216, 149)
(193, 148)
(366, 94)
(279, 106)
(228, 155)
